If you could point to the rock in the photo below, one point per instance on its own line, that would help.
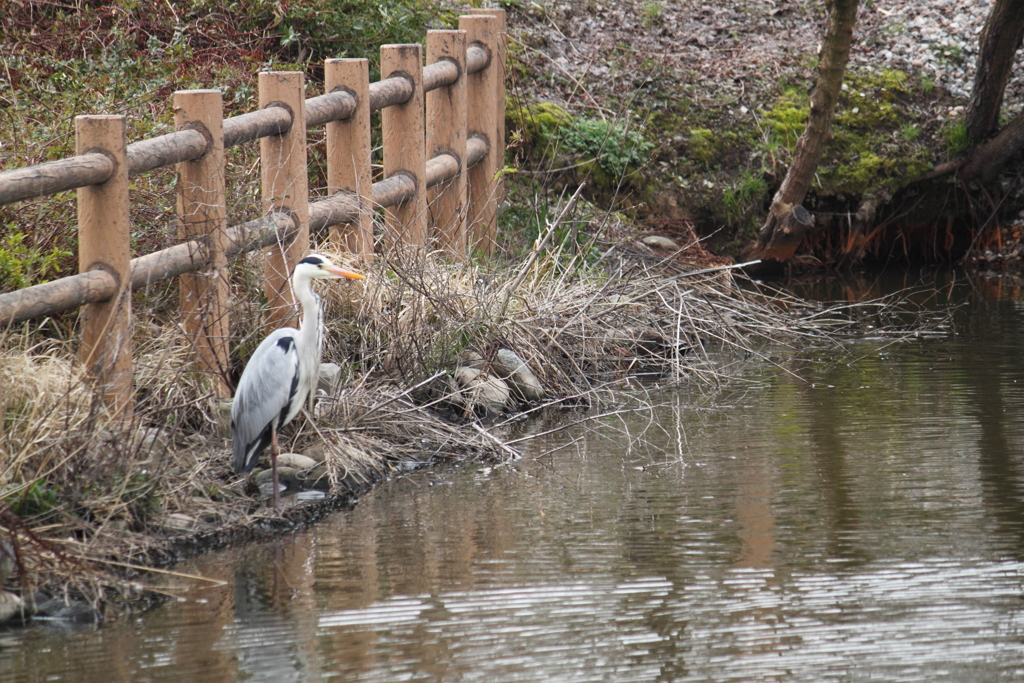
(661, 242)
(315, 452)
(180, 522)
(222, 415)
(153, 444)
(55, 609)
(7, 558)
(10, 606)
(330, 378)
(350, 453)
(315, 478)
(471, 359)
(323, 405)
(441, 392)
(295, 461)
(288, 477)
(517, 374)
(483, 390)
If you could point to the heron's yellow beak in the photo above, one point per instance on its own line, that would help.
(341, 272)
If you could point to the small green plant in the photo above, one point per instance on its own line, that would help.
(525, 217)
(956, 137)
(616, 149)
(948, 54)
(650, 12)
(22, 265)
(37, 499)
(910, 131)
(742, 200)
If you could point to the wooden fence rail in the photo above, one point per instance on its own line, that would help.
(148, 155)
(455, 153)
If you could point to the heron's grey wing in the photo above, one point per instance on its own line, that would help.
(268, 382)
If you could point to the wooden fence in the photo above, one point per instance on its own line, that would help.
(443, 139)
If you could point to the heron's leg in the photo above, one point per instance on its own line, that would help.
(273, 465)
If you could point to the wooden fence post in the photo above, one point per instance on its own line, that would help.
(482, 120)
(501, 62)
(104, 242)
(285, 187)
(202, 215)
(349, 154)
(446, 134)
(404, 146)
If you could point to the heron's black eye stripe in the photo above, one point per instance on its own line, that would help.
(313, 260)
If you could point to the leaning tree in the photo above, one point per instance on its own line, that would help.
(978, 167)
(1000, 40)
(788, 220)
(992, 147)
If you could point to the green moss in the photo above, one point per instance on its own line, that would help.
(598, 176)
(856, 176)
(539, 122)
(873, 147)
(868, 102)
(702, 146)
(786, 119)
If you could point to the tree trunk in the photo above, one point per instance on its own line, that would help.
(985, 160)
(787, 220)
(788, 230)
(1002, 35)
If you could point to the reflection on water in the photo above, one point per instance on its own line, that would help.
(864, 522)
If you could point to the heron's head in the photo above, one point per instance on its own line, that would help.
(317, 267)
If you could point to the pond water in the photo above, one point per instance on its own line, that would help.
(830, 517)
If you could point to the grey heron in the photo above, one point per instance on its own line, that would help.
(282, 372)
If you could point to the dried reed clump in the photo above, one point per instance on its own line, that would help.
(577, 320)
(373, 432)
(91, 486)
(37, 386)
(53, 427)
(59, 469)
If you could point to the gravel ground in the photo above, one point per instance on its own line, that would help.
(738, 48)
(937, 39)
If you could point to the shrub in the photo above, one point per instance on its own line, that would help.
(617, 149)
(311, 30)
(22, 265)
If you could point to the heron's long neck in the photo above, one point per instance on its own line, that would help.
(312, 315)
